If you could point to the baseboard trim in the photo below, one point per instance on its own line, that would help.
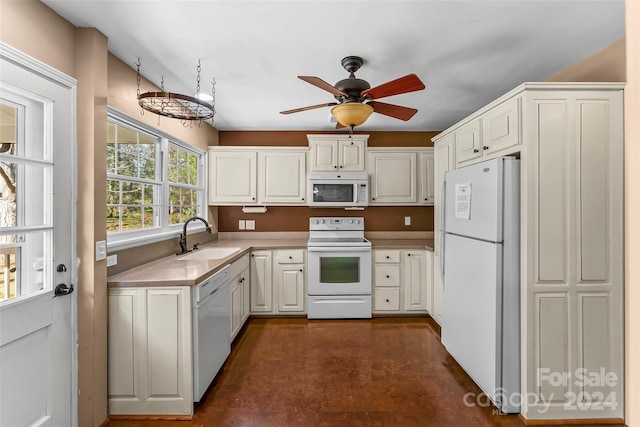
(577, 422)
(151, 417)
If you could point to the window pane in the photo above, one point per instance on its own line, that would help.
(22, 186)
(173, 155)
(111, 159)
(113, 218)
(149, 217)
(8, 128)
(174, 195)
(131, 193)
(113, 192)
(147, 168)
(126, 164)
(175, 216)
(186, 197)
(23, 269)
(148, 194)
(131, 218)
(173, 173)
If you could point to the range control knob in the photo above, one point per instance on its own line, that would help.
(350, 221)
(357, 221)
(322, 221)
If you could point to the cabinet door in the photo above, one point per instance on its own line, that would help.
(393, 177)
(261, 282)
(501, 127)
(150, 351)
(324, 156)
(290, 287)
(282, 177)
(232, 177)
(427, 171)
(436, 310)
(246, 295)
(416, 280)
(444, 161)
(468, 142)
(236, 306)
(351, 155)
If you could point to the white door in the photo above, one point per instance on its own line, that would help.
(472, 200)
(472, 300)
(38, 379)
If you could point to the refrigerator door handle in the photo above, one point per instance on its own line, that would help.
(442, 258)
(443, 200)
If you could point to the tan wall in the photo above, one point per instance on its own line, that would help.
(605, 65)
(36, 30)
(91, 68)
(632, 213)
(293, 218)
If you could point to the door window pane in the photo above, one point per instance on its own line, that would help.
(339, 269)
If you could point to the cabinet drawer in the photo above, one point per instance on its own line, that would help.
(295, 256)
(386, 299)
(239, 265)
(386, 256)
(386, 275)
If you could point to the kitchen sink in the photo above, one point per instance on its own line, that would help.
(208, 253)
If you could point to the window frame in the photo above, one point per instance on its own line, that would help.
(162, 230)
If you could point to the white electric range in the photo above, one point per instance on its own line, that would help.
(339, 269)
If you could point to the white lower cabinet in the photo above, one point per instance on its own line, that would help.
(150, 368)
(240, 291)
(436, 305)
(402, 281)
(278, 282)
(261, 282)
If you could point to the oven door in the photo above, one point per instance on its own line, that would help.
(339, 271)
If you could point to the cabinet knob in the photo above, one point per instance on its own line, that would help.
(290, 257)
(408, 254)
(253, 198)
(340, 166)
(387, 256)
(484, 147)
(387, 300)
(335, 167)
(303, 198)
(475, 150)
(388, 276)
(300, 270)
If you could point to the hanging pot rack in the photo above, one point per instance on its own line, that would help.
(176, 105)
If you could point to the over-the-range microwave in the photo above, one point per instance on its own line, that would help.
(338, 189)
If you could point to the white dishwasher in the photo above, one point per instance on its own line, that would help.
(211, 325)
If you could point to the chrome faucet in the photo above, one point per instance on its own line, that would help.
(183, 236)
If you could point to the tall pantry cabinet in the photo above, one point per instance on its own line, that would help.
(569, 137)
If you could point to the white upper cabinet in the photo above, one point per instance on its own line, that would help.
(232, 177)
(282, 177)
(427, 179)
(468, 142)
(393, 177)
(501, 127)
(251, 175)
(401, 176)
(330, 153)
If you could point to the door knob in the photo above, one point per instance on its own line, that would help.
(62, 290)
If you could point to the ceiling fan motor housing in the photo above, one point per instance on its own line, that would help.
(352, 86)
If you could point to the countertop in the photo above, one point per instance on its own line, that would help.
(174, 271)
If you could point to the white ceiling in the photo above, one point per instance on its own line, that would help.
(466, 52)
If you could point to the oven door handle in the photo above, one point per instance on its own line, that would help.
(339, 249)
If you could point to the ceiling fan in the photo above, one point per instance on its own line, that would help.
(357, 99)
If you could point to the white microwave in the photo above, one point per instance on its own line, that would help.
(338, 189)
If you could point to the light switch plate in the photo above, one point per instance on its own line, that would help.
(112, 260)
(251, 224)
(101, 250)
(241, 224)
(407, 220)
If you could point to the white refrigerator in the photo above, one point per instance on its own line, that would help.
(480, 263)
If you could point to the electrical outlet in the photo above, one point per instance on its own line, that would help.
(407, 220)
(241, 224)
(101, 250)
(251, 224)
(112, 260)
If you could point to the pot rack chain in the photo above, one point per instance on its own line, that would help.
(175, 105)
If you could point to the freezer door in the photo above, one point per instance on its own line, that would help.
(473, 200)
(471, 325)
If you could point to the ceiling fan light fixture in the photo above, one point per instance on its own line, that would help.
(352, 113)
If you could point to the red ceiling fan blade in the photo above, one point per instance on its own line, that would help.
(391, 110)
(310, 107)
(408, 83)
(316, 81)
